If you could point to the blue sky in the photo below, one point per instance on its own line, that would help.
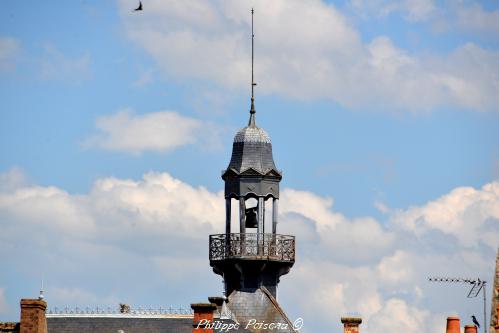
(381, 112)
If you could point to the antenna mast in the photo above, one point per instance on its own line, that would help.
(253, 84)
(477, 286)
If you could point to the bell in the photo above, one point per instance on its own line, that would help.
(251, 221)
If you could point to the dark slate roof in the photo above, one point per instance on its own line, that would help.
(260, 305)
(115, 324)
(252, 149)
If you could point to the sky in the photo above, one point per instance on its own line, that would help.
(115, 126)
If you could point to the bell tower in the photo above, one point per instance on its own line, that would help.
(254, 257)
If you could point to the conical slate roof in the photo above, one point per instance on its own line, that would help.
(252, 149)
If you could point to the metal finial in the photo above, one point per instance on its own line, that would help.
(41, 296)
(253, 84)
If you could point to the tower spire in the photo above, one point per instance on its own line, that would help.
(251, 122)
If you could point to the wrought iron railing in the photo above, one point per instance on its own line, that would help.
(115, 310)
(252, 246)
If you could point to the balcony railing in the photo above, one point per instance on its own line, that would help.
(252, 246)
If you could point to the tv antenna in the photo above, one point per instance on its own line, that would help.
(476, 286)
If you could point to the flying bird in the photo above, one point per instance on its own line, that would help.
(139, 7)
(475, 321)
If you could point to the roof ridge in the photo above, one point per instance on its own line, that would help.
(277, 306)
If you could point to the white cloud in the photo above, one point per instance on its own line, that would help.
(161, 131)
(381, 271)
(9, 49)
(396, 268)
(112, 243)
(132, 240)
(418, 10)
(55, 65)
(115, 211)
(323, 56)
(466, 213)
(475, 18)
(330, 232)
(398, 316)
(467, 16)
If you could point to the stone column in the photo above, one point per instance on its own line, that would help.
(33, 318)
(242, 224)
(227, 215)
(275, 207)
(261, 225)
(351, 324)
(227, 226)
(242, 215)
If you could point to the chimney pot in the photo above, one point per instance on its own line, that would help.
(351, 324)
(470, 329)
(453, 325)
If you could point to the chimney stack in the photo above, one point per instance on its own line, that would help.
(470, 329)
(496, 326)
(203, 317)
(33, 318)
(453, 325)
(351, 324)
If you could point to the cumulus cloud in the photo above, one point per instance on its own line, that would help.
(380, 269)
(322, 57)
(158, 203)
(466, 213)
(145, 241)
(409, 319)
(467, 16)
(161, 131)
(9, 49)
(330, 233)
(110, 243)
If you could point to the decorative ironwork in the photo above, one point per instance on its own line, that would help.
(111, 310)
(252, 246)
